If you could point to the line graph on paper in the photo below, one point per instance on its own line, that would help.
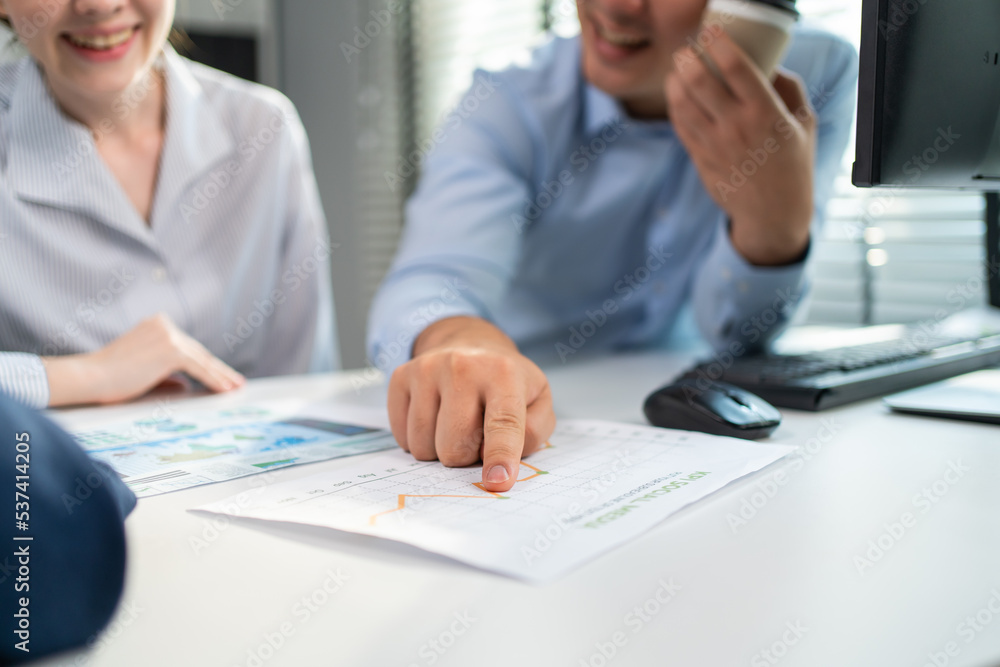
(598, 485)
(395, 493)
(403, 497)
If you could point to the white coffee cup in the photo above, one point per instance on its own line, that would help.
(762, 28)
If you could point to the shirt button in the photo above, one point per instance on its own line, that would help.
(659, 287)
(159, 274)
(743, 287)
(662, 212)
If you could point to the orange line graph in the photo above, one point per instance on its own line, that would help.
(479, 485)
(401, 498)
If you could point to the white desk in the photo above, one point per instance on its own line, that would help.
(792, 563)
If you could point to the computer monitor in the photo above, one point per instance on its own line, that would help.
(929, 102)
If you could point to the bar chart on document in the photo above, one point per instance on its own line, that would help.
(593, 486)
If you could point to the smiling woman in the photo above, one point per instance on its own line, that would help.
(128, 165)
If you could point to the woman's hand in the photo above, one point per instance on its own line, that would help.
(133, 364)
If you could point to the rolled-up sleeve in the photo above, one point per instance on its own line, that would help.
(735, 301)
(462, 242)
(23, 378)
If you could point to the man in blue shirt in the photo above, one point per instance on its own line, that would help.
(583, 201)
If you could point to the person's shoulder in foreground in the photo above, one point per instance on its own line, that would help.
(63, 573)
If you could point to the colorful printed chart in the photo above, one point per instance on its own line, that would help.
(163, 454)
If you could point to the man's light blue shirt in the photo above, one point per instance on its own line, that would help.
(545, 209)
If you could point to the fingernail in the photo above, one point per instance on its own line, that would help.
(497, 474)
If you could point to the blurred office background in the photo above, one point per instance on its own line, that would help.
(372, 78)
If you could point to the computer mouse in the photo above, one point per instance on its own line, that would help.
(711, 407)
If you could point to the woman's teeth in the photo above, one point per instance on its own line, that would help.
(102, 42)
(623, 39)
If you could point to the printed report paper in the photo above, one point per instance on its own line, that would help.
(596, 486)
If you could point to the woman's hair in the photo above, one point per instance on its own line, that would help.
(9, 46)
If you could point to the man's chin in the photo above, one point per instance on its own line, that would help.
(616, 83)
(631, 91)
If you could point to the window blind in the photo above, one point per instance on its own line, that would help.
(383, 101)
(409, 79)
(451, 38)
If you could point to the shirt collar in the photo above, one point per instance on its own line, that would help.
(53, 159)
(196, 139)
(600, 109)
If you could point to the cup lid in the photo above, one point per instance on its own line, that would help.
(787, 5)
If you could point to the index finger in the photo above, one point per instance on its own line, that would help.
(503, 440)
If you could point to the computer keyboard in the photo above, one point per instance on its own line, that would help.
(832, 377)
